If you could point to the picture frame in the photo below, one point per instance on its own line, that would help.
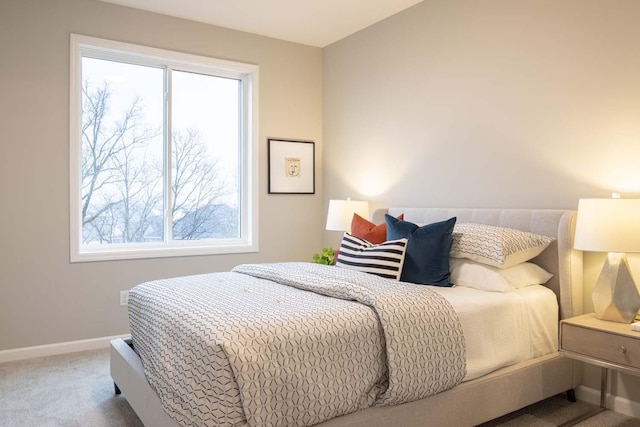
(292, 166)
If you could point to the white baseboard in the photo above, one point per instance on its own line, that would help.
(616, 403)
(54, 349)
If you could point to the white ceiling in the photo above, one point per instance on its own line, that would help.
(311, 22)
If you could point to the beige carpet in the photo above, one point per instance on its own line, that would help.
(75, 390)
(558, 410)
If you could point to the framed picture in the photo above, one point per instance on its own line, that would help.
(292, 167)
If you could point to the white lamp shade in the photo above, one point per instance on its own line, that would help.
(608, 225)
(341, 213)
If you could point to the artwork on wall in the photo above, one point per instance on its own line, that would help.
(291, 167)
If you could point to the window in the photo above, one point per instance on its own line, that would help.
(162, 153)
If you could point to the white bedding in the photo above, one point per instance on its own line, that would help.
(291, 344)
(502, 329)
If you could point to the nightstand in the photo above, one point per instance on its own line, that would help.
(610, 345)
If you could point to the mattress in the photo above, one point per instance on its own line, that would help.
(502, 329)
(178, 323)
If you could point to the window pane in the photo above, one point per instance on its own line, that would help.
(162, 150)
(122, 153)
(205, 156)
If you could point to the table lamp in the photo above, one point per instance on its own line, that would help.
(613, 226)
(341, 212)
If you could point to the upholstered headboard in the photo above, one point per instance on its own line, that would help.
(559, 258)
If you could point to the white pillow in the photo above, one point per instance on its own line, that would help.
(496, 246)
(384, 259)
(486, 278)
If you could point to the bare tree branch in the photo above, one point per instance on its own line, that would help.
(122, 185)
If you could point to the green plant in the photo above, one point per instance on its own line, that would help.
(325, 257)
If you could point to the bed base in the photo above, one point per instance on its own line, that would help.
(468, 404)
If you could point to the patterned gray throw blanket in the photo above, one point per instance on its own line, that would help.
(238, 348)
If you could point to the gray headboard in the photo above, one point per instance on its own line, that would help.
(559, 258)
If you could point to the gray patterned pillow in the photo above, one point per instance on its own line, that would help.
(496, 246)
(384, 259)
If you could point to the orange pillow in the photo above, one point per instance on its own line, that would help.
(369, 231)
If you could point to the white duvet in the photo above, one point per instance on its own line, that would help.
(291, 344)
(502, 329)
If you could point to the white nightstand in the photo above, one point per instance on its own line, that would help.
(610, 345)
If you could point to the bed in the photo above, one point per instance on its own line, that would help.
(481, 396)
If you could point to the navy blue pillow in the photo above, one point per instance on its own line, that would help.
(427, 257)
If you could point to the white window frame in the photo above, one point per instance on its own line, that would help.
(112, 50)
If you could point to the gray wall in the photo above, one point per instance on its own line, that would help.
(491, 103)
(45, 299)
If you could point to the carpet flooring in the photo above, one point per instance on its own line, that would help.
(75, 390)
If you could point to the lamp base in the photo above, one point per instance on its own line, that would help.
(615, 295)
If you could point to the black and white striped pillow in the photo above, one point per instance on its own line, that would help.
(384, 259)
